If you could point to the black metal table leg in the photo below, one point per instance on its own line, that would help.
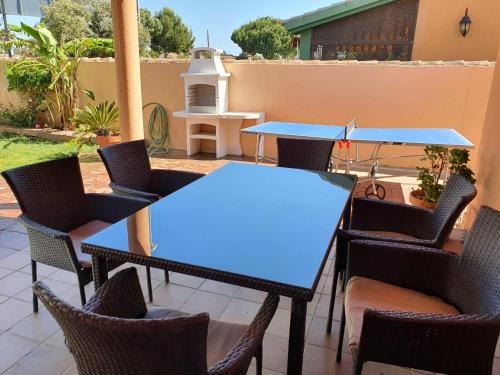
(297, 336)
(99, 270)
(346, 219)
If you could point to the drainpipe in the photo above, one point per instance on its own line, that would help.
(128, 69)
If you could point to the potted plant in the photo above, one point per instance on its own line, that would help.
(431, 179)
(99, 121)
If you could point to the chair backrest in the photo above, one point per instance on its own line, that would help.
(457, 194)
(304, 153)
(104, 345)
(50, 193)
(474, 284)
(128, 164)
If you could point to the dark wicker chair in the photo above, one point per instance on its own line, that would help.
(58, 215)
(314, 155)
(115, 334)
(130, 172)
(395, 222)
(423, 308)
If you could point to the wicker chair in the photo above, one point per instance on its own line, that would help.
(394, 222)
(115, 334)
(308, 154)
(423, 308)
(130, 172)
(58, 215)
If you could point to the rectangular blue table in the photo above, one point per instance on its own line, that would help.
(260, 227)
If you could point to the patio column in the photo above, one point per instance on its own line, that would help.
(128, 70)
(488, 175)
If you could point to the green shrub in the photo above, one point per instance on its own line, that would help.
(22, 117)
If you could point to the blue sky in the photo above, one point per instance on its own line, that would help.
(221, 17)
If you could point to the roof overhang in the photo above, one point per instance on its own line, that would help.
(331, 13)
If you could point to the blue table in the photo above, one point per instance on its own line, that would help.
(241, 226)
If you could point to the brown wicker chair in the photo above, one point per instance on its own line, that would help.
(58, 215)
(394, 222)
(423, 308)
(314, 155)
(115, 334)
(130, 172)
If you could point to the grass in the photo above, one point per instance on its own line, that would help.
(16, 150)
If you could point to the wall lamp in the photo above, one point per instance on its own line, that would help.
(465, 23)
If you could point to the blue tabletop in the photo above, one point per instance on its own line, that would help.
(293, 130)
(269, 223)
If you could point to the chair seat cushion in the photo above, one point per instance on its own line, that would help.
(363, 293)
(380, 234)
(78, 235)
(221, 338)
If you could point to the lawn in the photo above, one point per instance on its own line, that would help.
(16, 150)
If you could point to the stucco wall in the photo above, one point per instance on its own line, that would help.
(379, 95)
(438, 36)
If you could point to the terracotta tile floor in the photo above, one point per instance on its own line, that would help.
(33, 344)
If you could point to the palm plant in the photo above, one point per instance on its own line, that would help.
(40, 50)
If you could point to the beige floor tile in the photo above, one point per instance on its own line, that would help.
(317, 335)
(42, 270)
(71, 370)
(280, 325)
(13, 311)
(57, 339)
(16, 261)
(240, 311)
(275, 351)
(186, 280)
(14, 240)
(57, 287)
(5, 252)
(13, 348)
(39, 326)
(172, 295)
(373, 368)
(14, 283)
(321, 361)
(219, 288)
(4, 272)
(324, 306)
(3, 299)
(251, 295)
(65, 277)
(44, 360)
(202, 301)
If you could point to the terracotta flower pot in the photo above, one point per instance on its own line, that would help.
(108, 140)
(417, 201)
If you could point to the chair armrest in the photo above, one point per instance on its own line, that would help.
(120, 297)
(122, 191)
(165, 182)
(413, 267)
(50, 246)
(450, 344)
(241, 354)
(369, 214)
(112, 208)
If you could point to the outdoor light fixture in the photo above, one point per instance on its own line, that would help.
(465, 23)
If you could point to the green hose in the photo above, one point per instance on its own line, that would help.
(158, 129)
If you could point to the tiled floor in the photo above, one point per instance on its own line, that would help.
(33, 344)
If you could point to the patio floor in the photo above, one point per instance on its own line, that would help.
(33, 344)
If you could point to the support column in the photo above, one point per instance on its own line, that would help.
(128, 70)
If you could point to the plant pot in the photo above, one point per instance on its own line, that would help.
(416, 201)
(107, 140)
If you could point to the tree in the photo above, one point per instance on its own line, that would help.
(266, 36)
(101, 22)
(67, 20)
(148, 25)
(174, 35)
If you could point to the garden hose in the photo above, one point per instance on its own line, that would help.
(158, 129)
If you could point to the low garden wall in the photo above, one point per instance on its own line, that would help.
(378, 94)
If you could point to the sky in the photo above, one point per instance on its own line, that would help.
(220, 17)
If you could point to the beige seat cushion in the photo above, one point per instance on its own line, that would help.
(363, 293)
(222, 336)
(386, 234)
(80, 234)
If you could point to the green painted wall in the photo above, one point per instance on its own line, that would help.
(305, 44)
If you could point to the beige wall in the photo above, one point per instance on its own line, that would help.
(379, 95)
(488, 176)
(438, 37)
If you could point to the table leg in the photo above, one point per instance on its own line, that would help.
(99, 270)
(346, 219)
(297, 336)
(257, 149)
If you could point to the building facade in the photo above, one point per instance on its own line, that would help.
(398, 30)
